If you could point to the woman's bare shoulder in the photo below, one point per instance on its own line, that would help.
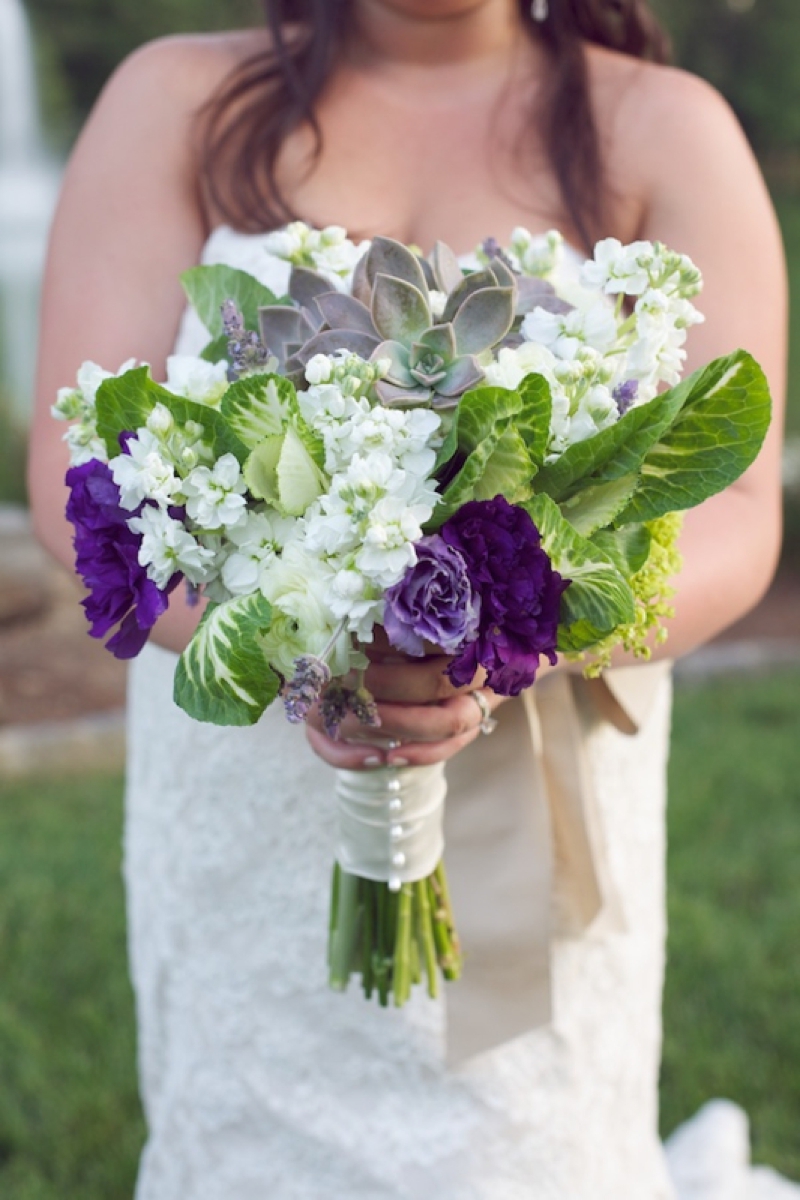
(183, 70)
(658, 122)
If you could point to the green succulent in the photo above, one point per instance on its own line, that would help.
(389, 318)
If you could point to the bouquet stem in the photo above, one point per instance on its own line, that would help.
(391, 937)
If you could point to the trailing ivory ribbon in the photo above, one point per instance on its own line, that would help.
(525, 851)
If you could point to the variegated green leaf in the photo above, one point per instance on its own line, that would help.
(222, 676)
(124, 403)
(258, 406)
(596, 506)
(598, 598)
(714, 438)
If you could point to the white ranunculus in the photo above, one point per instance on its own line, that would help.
(297, 585)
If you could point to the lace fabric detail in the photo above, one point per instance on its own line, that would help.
(258, 1082)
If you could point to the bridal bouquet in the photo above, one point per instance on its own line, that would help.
(480, 457)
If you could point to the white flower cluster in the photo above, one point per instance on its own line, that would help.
(324, 572)
(78, 406)
(599, 359)
(540, 255)
(328, 251)
(165, 468)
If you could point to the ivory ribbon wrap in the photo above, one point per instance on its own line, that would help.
(526, 857)
(390, 822)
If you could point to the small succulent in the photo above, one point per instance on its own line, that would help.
(390, 318)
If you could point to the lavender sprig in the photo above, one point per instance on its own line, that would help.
(304, 689)
(246, 351)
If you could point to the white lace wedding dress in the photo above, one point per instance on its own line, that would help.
(261, 1084)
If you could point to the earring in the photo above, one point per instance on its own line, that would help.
(540, 10)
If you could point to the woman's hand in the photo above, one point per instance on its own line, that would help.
(420, 711)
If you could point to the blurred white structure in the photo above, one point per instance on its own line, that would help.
(28, 188)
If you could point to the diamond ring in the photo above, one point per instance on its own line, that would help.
(488, 723)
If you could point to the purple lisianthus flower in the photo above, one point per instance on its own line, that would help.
(107, 559)
(434, 601)
(520, 594)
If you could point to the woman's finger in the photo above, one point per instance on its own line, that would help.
(424, 754)
(350, 756)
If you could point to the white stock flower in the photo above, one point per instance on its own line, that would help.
(353, 598)
(514, 363)
(168, 547)
(78, 404)
(195, 379)
(566, 333)
(325, 404)
(90, 376)
(84, 445)
(616, 268)
(388, 543)
(253, 547)
(214, 495)
(540, 255)
(319, 369)
(402, 435)
(288, 242)
(143, 473)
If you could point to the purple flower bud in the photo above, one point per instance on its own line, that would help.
(492, 249)
(361, 703)
(625, 394)
(333, 708)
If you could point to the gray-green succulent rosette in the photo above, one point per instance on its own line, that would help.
(490, 456)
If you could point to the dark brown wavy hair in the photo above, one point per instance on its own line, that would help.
(274, 92)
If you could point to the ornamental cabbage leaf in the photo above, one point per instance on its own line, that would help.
(598, 598)
(628, 547)
(688, 443)
(597, 505)
(207, 288)
(124, 403)
(222, 676)
(258, 406)
(281, 471)
(498, 437)
(714, 438)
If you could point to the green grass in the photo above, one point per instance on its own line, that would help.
(70, 1125)
(732, 1007)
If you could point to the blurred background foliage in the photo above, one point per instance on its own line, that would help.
(749, 49)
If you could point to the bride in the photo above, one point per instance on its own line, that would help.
(419, 119)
